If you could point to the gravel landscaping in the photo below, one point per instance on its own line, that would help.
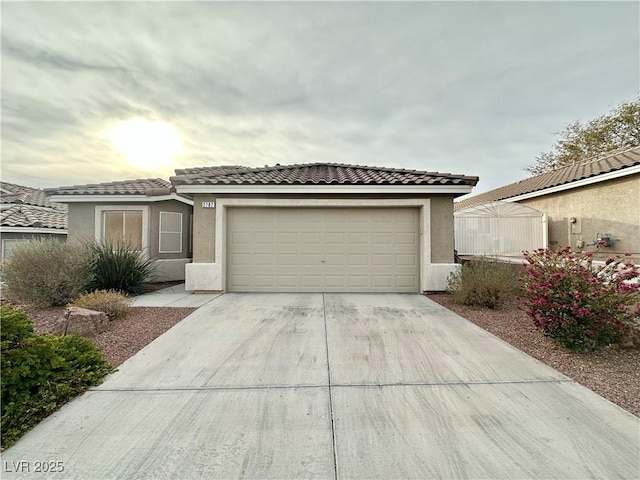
(612, 373)
(126, 336)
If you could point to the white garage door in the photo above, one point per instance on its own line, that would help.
(323, 250)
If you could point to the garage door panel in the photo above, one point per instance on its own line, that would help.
(323, 249)
(287, 237)
(404, 238)
(287, 259)
(385, 281)
(406, 260)
(406, 281)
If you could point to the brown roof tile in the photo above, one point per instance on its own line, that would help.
(609, 162)
(144, 186)
(314, 173)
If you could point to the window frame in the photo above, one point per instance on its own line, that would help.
(161, 231)
(100, 221)
(9, 240)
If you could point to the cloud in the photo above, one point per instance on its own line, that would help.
(469, 88)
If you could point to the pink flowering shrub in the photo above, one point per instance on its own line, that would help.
(580, 305)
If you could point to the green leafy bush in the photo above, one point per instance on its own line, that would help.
(46, 272)
(41, 372)
(581, 306)
(484, 282)
(114, 304)
(116, 266)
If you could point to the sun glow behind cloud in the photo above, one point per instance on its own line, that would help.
(146, 144)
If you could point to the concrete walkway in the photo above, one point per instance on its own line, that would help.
(333, 386)
(175, 296)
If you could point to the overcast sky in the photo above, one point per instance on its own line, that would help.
(478, 88)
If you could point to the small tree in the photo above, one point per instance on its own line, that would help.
(579, 305)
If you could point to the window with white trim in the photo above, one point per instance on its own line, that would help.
(170, 232)
(123, 224)
(8, 245)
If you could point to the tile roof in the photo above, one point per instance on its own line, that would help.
(314, 174)
(21, 195)
(34, 217)
(29, 207)
(143, 186)
(612, 161)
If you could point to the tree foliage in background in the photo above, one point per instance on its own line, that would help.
(579, 142)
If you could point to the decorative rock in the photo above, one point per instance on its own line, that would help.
(87, 323)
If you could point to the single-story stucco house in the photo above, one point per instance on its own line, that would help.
(598, 199)
(26, 213)
(299, 228)
(146, 213)
(320, 227)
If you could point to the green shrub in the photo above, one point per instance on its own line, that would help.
(579, 305)
(46, 272)
(41, 372)
(114, 304)
(117, 266)
(484, 282)
(16, 325)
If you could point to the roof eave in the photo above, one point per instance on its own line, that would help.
(577, 183)
(56, 231)
(109, 198)
(324, 189)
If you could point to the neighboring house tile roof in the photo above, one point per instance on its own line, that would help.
(19, 194)
(609, 162)
(30, 208)
(315, 173)
(34, 217)
(143, 186)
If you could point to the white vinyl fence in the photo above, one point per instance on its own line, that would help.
(499, 228)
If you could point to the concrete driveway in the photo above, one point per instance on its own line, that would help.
(325, 386)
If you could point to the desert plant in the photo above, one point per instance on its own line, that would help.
(40, 372)
(576, 303)
(46, 272)
(116, 266)
(483, 282)
(114, 304)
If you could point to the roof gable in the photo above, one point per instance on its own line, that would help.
(617, 160)
(315, 174)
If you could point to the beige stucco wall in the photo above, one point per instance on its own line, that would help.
(442, 236)
(204, 229)
(611, 207)
(82, 224)
(441, 231)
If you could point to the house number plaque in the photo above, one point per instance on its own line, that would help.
(208, 204)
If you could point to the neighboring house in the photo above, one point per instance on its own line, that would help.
(26, 213)
(320, 228)
(584, 202)
(145, 213)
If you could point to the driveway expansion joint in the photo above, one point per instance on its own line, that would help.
(333, 430)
